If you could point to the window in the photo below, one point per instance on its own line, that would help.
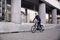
(31, 15)
(23, 15)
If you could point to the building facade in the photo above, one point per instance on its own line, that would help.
(48, 10)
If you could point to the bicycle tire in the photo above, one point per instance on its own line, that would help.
(33, 29)
(41, 28)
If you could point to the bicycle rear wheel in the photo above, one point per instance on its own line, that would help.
(41, 28)
(33, 29)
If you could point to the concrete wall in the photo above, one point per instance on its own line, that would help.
(11, 27)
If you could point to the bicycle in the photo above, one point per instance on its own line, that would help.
(34, 28)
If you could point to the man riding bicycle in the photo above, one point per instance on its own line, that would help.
(37, 17)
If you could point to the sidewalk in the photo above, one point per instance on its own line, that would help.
(13, 27)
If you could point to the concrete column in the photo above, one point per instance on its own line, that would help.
(42, 13)
(54, 16)
(16, 11)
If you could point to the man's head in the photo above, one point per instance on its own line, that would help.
(36, 13)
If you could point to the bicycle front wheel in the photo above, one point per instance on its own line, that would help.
(33, 29)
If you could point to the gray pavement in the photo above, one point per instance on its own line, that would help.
(49, 34)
